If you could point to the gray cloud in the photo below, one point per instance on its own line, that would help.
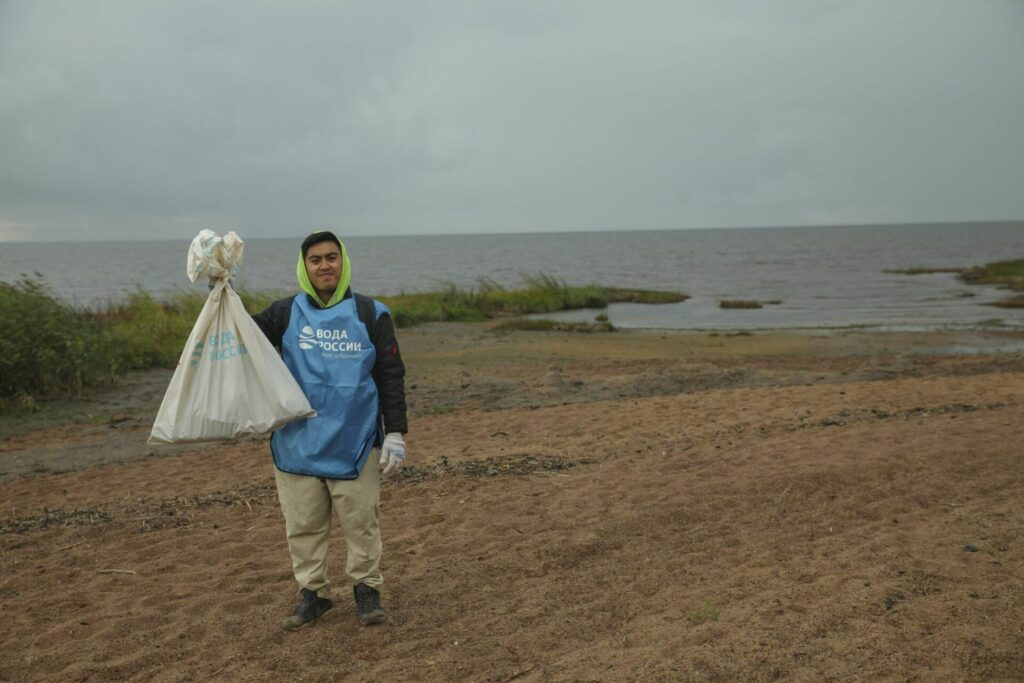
(154, 119)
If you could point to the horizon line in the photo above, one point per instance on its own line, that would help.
(552, 232)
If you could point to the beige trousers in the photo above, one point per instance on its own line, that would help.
(307, 503)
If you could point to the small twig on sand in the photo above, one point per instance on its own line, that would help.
(70, 545)
(519, 673)
(949, 505)
(783, 494)
(223, 667)
(115, 571)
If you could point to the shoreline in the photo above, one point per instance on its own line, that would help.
(130, 402)
(702, 317)
(966, 328)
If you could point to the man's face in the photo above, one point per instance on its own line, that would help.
(323, 265)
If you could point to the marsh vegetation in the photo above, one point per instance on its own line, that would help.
(50, 348)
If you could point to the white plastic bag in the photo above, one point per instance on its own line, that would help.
(230, 381)
(214, 256)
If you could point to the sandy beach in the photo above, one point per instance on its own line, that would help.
(652, 506)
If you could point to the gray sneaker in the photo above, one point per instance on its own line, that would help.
(309, 610)
(368, 604)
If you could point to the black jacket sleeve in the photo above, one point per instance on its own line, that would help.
(389, 374)
(273, 320)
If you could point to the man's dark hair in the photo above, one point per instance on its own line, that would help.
(317, 238)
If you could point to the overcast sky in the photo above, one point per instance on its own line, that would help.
(156, 119)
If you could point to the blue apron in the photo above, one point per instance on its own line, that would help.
(329, 352)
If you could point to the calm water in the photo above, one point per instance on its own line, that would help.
(825, 277)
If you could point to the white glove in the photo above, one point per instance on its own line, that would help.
(392, 453)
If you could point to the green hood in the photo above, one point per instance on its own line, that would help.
(343, 280)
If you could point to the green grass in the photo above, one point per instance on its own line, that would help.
(151, 333)
(541, 325)
(644, 296)
(745, 303)
(921, 271)
(739, 303)
(539, 294)
(1012, 302)
(705, 613)
(49, 349)
(1006, 273)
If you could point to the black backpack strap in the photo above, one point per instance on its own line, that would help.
(367, 312)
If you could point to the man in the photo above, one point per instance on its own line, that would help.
(341, 348)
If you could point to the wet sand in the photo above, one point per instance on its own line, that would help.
(624, 506)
